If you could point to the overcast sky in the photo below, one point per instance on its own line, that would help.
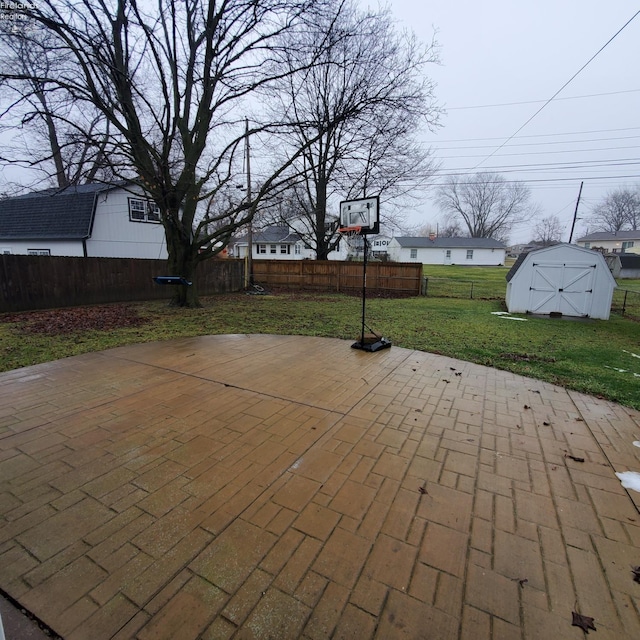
(495, 52)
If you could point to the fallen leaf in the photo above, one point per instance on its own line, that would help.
(575, 458)
(422, 490)
(584, 622)
(526, 406)
(636, 573)
(546, 424)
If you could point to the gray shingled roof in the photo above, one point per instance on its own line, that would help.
(606, 235)
(56, 214)
(448, 243)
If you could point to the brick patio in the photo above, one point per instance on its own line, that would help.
(248, 486)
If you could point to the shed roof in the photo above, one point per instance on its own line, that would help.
(64, 214)
(420, 242)
(557, 248)
(629, 260)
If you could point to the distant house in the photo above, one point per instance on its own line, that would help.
(461, 251)
(91, 220)
(282, 242)
(276, 242)
(620, 242)
(562, 280)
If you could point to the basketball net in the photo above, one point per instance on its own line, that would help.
(349, 234)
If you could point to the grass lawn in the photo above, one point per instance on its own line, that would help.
(592, 356)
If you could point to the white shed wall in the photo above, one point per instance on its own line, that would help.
(531, 289)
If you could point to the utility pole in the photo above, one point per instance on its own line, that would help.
(575, 214)
(249, 274)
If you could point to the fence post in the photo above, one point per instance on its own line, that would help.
(425, 286)
(624, 302)
(472, 289)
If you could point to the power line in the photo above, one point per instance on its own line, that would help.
(511, 104)
(533, 180)
(538, 144)
(535, 153)
(584, 66)
(536, 135)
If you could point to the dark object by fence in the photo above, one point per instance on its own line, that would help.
(172, 280)
(46, 282)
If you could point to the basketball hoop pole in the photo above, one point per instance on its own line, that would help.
(364, 285)
(363, 344)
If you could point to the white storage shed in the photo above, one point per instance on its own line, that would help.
(564, 279)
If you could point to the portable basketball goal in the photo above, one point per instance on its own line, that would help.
(360, 218)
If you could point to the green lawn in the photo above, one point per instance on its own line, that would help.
(581, 355)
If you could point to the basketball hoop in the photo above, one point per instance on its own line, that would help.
(350, 232)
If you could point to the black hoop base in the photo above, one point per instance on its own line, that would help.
(371, 347)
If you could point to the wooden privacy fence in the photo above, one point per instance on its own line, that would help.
(383, 278)
(44, 282)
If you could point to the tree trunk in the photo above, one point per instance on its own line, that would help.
(322, 244)
(182, 261)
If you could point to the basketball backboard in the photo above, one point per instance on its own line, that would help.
(363, 213)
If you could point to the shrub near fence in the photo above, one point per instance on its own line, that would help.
(383, 278)
(43, 282)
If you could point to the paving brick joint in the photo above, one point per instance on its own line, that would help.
(250, 486)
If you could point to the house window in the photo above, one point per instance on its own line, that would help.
(627, 245)
(38, 252)
(6, 252)
(262, 248)
(285, 249)
(153, 212)
(143, 211)
(297, 249)
(414, 254)
(469, 254)
(448, 254)
(273, 248)
(587, 245)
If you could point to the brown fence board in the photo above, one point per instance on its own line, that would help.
(42, 282)
(386, 278)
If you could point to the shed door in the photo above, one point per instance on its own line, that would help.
(561, 288)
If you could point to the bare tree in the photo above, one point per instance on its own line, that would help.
(617, 211)
(487, 204)
(167, 77)
(355, 108)
(548, 231)
(64, 143)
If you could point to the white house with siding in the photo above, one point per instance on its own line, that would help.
(461, 251)
(91, 220)
(619, 242)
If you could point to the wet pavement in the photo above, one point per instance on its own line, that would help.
(249, 486)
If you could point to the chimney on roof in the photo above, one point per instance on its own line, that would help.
(432, 236)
